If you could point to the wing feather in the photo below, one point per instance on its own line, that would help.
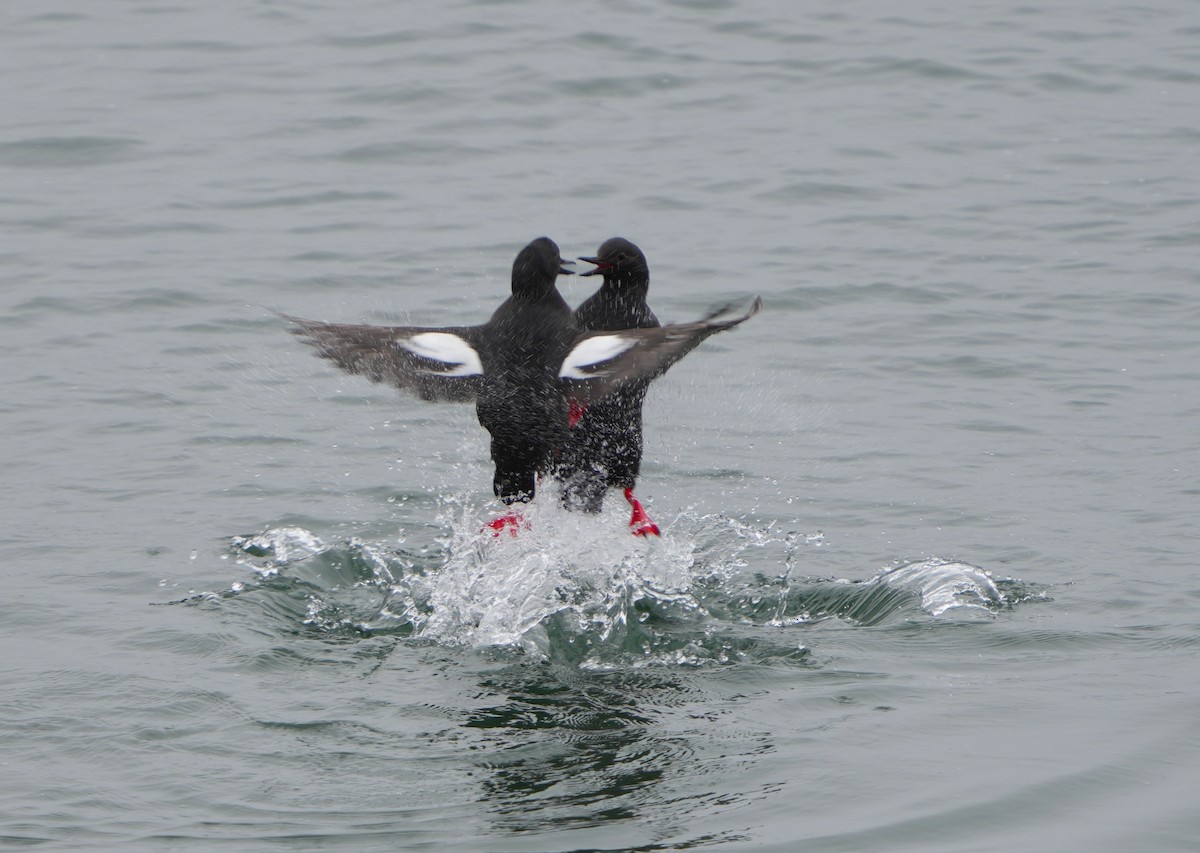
(433, 363)
(601, 362)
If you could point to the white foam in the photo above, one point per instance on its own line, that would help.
(502, 591)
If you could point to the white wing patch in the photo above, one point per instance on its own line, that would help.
(446, 348)
(593, 351)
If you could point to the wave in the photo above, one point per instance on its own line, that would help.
(579, 589)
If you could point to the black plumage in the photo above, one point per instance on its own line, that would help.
(513, 381)
(605, 446)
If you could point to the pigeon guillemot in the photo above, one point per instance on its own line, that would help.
(525, 368)
(508, 366)
(605, 447)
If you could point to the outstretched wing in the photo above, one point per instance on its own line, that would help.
(435, 364)
(601, 362)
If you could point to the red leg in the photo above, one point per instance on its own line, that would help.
(640, 522)
(510, 521)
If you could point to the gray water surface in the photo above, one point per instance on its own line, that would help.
(928, 578)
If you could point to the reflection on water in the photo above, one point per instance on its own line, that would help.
(571, 750)
(566, 742)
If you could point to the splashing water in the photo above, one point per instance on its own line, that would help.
(945, 585)
(580, 589)
(567, 574)
(279, 546)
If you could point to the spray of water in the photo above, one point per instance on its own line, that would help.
(580, 589)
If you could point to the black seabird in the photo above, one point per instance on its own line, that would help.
(605, 447)
(525, 368)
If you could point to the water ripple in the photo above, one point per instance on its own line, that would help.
(50, 152)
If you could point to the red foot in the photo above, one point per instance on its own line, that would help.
(510, 521)
(576, 412)
(640, 522)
